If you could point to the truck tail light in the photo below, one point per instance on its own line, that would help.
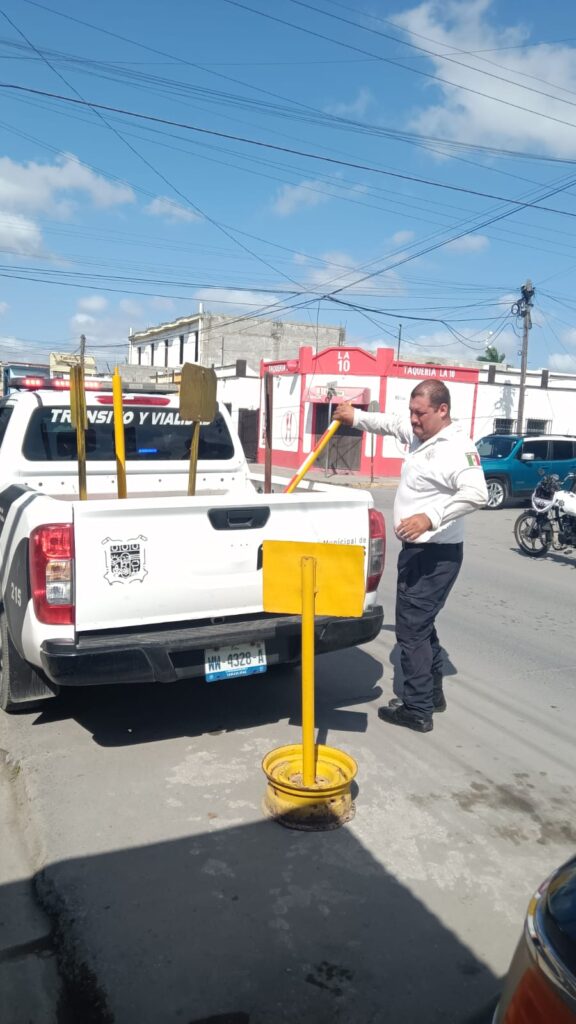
(52, 573)
(536, 1002)
(376, 549)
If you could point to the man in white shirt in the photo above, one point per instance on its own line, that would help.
(441, 481)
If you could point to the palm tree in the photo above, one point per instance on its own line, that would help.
(491, 355)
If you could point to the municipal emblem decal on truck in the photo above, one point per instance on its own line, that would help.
(125, 560)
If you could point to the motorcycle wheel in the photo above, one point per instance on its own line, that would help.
(533, 538)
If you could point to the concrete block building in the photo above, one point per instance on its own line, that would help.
(214, 339)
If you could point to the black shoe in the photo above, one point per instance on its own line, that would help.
(409, 719)
(438, 698)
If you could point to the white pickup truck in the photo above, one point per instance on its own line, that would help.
(159, 586)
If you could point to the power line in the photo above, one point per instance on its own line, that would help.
(97, 110)
(269, 145)
(396, 63)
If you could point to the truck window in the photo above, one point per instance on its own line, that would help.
(5, 414)
(151, 434)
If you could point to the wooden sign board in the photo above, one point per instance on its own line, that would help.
(198, 393)
(340, 584)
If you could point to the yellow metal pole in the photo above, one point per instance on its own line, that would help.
(324, 440)
(119, 445)
(308, 602)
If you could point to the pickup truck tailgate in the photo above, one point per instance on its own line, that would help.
(143, 561)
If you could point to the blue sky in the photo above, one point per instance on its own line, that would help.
(382, 159)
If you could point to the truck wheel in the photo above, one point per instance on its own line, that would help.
(22, 688)
(497, 492)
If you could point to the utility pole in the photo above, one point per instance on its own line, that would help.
(82, 351)
(522, 309)
(399, 341)
(268, 438)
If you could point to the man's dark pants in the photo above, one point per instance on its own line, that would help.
(426, 575)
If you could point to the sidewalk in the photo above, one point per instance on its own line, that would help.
(343, 479)
(29, 981)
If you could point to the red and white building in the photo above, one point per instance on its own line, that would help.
(305, 389)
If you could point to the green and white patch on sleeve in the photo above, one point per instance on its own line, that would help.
(473, 458)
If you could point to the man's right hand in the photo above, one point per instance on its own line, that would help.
(344, 413)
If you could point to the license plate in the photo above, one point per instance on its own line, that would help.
(228, 662)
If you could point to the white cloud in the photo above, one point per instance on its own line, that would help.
(235, 298)
(441, 344)
(131, 308)
(106, 334)
(356, 108)
(33, 187)
(306, 194)
(19, 235)
(469, 243)
(93, 304)
(165, 207)
(341, 271)
(159, 302)
(403, 237)
(569, 336)
(467, 116)
(3, 307)
(83, 320)
(562, 362)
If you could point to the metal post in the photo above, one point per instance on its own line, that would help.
(268, 414)
(308, 602)
(399, 341)
(193, 458)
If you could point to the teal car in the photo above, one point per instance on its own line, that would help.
(513, 463)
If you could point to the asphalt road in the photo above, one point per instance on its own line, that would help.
(175, 902)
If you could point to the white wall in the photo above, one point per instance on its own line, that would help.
(500, 401)
(240, 393)
(397, 402)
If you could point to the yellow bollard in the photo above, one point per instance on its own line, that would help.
(311, 459)
(119, 443)
(308, 601)
(309, 785)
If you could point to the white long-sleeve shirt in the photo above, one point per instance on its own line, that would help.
(441, 477)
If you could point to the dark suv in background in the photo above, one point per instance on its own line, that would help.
(511, 462)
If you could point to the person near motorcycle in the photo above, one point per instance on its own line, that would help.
(441, 481)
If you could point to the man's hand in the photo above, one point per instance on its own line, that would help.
(344, 413)
(413, 527)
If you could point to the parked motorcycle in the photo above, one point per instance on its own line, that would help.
(551, 522)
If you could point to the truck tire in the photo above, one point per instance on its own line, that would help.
(497, 492)
(22, 688)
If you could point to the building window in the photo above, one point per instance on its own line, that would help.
(181, 350)
(166, 343)
(152, 354)
(537, 426)
(139, 356)
(196, 348)
(503, 426)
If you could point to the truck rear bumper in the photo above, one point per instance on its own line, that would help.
(164, 655)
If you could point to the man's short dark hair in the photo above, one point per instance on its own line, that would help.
(435, 391)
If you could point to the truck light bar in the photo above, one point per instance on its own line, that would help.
(53, 384)
(63, 384)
